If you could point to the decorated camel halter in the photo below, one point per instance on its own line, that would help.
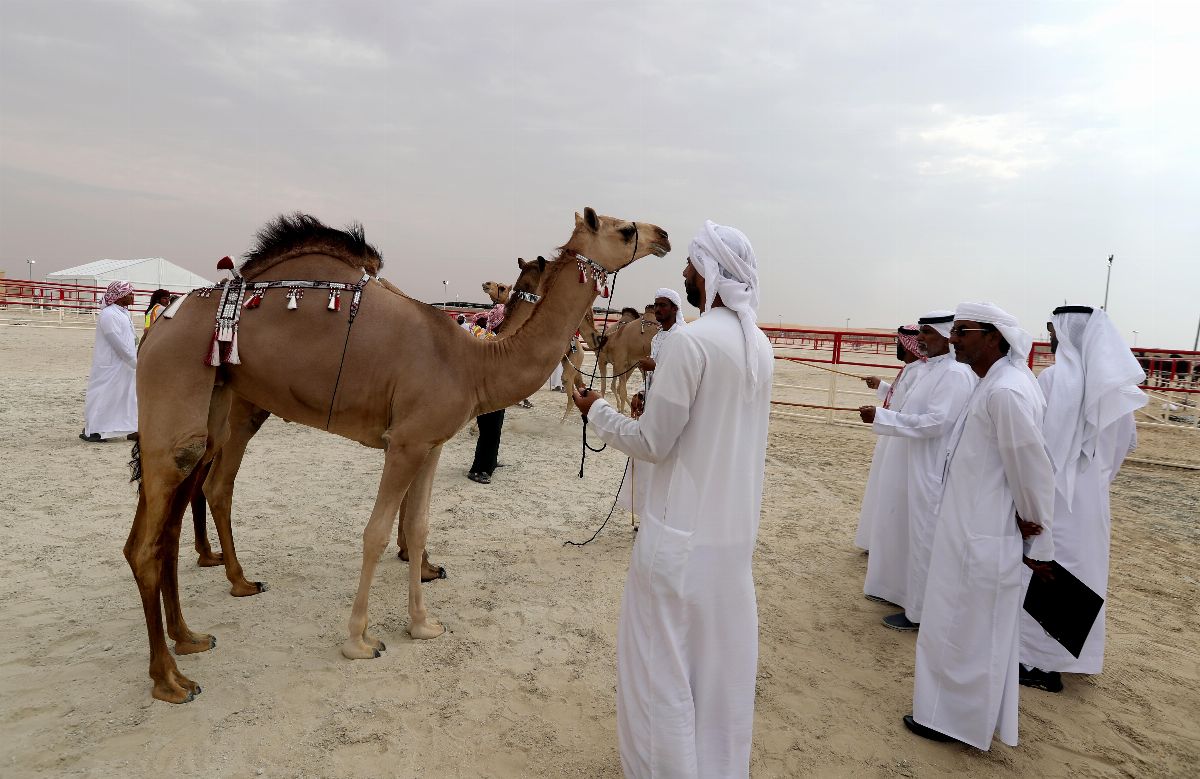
(528, 297)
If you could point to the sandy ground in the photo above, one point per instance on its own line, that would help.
(523, 683)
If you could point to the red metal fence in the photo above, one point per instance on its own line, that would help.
(57, 296)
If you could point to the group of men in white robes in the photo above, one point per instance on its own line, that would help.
(990, 475)
(687, 639)
(110, 406)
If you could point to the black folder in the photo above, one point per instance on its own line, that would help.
(1065, 607)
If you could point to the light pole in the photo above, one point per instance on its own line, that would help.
(847, 323)
(30, 263)
(1106, 280)
(1135, 337)
(445, 292)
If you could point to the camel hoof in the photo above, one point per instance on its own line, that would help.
(402, 555)
(377, 653)
(210, 560)
(426, 630)
(173, 694)
(199, 644)
(441, 572)
(356, 649)
(247, 589)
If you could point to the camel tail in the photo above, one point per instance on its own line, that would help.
(135, 463)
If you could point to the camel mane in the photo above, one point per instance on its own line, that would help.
(293, 235)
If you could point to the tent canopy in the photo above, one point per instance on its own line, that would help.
(146, 273)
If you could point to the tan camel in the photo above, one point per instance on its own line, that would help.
(245, 419)
(623, 348)
(572, 361)
(404, 381)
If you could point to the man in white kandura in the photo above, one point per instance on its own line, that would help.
(110, 408)
(887, 482)
(1091, 394)
(637, 472)
(921, 423)
(996, 510)
(687, 641)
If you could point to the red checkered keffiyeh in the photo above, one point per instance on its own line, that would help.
(907, 335)
(116, 291)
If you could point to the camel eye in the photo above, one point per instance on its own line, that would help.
(627, 232)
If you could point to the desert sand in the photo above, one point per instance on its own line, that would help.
(523, 682)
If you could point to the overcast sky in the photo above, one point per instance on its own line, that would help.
(885, 158)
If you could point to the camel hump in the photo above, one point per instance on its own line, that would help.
(293, 235)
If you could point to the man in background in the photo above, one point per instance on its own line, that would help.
(110, 407)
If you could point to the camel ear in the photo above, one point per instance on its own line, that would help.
(521, 263)
(593, 221)
(541, 262)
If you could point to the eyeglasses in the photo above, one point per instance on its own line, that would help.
(958, 330)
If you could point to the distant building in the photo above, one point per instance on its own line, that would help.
(146, 274)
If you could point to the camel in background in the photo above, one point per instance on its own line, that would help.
(623, 349)
(405, 382)
(572, 361)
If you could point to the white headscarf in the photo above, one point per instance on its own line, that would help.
(669, 294)
(724, 257)
(943, 328)
(1019, 341)
(1095, 385)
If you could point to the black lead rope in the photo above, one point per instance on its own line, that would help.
(591, 382)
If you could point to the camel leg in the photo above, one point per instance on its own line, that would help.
(245, 419)
(400, 466)
(186, 642)
(205, 556)
(429, 571)
(416, 530)
(164, 468)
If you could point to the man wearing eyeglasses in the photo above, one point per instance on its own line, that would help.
(919, 426)
(996, 507)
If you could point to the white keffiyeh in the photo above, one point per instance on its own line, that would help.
(724, 257)
(1095, 385)
(669, 294)
(1019, 341)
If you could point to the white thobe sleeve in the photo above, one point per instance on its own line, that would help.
(652, 436)
(948, 399)
(117, 337)
(882, 390)
(1027, 468)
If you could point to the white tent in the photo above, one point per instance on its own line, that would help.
(146, 275)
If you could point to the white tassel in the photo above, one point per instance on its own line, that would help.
(233, 357)
(334, 296)
(292, 305)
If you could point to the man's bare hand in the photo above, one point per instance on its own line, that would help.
(646, 364)
(637, 405)
(1042, 570)
(872, 381)
(1028, 529)
(867, 413)
(584, 398)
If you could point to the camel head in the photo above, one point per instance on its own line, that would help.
(629, 314)
(531, 276)
(614, 243)
(496, 291)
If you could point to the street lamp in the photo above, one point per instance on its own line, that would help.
(847, 323)
(30, 263)
(1135, 337)
(445, 292)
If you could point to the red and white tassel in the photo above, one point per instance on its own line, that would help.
(233, 357)
(582, 275)
(214, 353)
(335, 300)
(255, 301)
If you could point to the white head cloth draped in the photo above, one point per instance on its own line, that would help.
(1019, 341)
(1095, 385)
(724, 257)
(943, 328)
(669, 294)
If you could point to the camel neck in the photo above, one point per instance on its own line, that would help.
(513, 368)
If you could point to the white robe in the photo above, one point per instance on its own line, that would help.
(556, 376)
(886, 482)
(687, 640)
(638, 473)
(110, 407)
(1081, 538)
(920, 424)
(966, 665)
